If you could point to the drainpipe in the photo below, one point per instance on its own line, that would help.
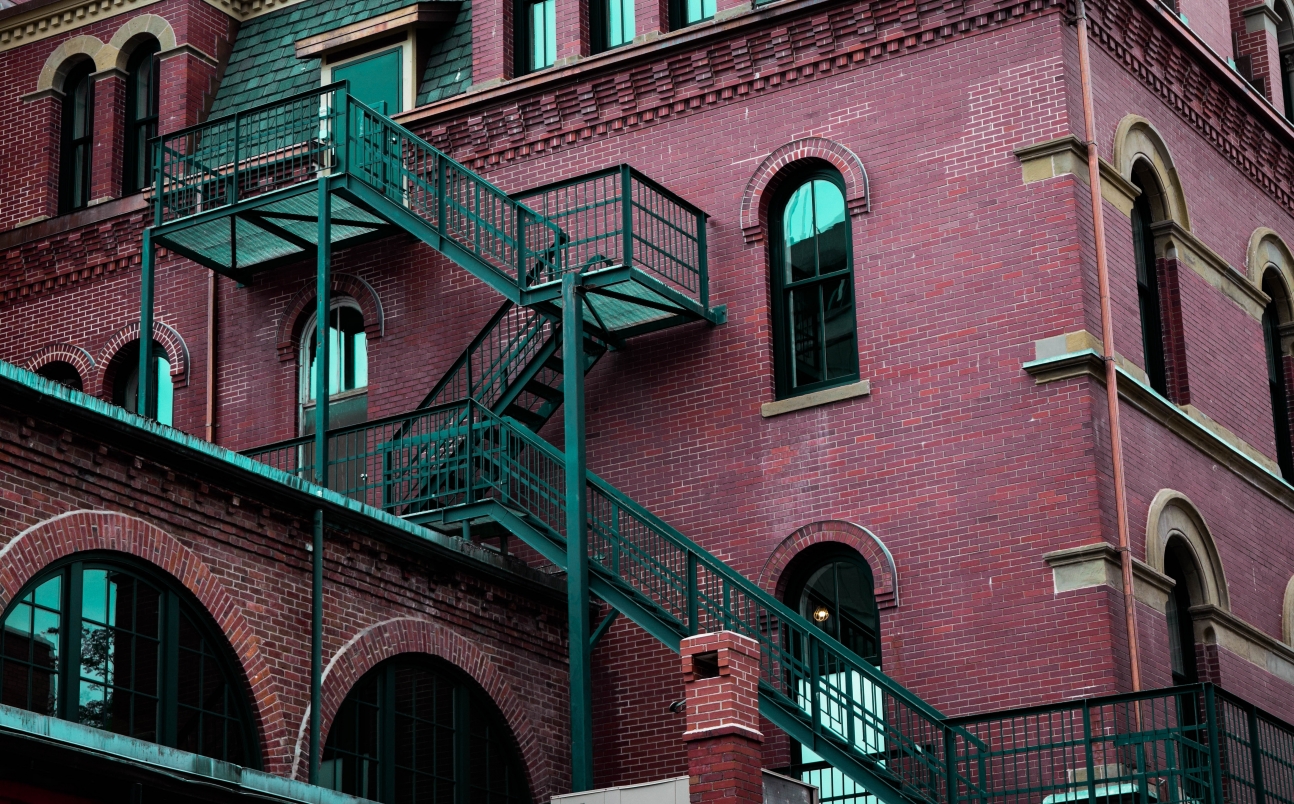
(211, 357)
(1107, 346)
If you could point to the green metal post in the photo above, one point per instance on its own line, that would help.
(577, 537)
(1215, 748)
(1255, 754)
(146, 402)
(693, 593)
(323, 301)
(627, 215)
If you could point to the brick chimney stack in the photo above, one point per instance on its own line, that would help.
(721, 677)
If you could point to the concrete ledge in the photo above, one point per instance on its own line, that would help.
(1068, 155)
(1224, 629)
(1097, 564)
(813, 400)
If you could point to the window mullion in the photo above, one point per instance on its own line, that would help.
(386, 752)
(462, 745)
(168, 674)
(70, 665)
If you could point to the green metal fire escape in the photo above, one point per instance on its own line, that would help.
(583, 266)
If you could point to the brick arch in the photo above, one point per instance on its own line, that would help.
(404, 635)
(136, 30)
(177, 353)
(65, 56)
(27, 554)
(869, 546)
(75, 356)
(754, 203)
(303, 304)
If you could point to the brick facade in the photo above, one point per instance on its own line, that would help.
(953, 477)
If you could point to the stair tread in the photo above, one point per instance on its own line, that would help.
(543, 390)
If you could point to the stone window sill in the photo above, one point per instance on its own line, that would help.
(813, 400)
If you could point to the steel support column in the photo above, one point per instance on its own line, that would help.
(577, 537)
(146, 401)
(323, 303)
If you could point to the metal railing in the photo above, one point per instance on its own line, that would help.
(495, 359)
(613, 217)
(618, 216)
(462, 453)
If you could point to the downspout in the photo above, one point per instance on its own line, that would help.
(1107, 346)
(211, 357)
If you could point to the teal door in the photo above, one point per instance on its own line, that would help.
(376, 80)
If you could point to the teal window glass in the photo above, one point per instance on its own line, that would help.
(126, 388)
(536, 38)
(347, 354)
(75, 162)
(815, 336)
(116, 647)
(612, 23)
(689, 12)
(377, 80)
(416, 729)
(143, 94)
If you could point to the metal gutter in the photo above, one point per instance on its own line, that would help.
(44, 399)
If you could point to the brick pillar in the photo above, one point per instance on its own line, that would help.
(491, 41)
(1174, 331)
(1258, 51)
(572, 30)
(721, 678)
(109, 135)
(651, 18)
(186, 80)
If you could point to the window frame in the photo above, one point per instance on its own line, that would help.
(782, 349)
(174, 602)
(1277, 381)
(468, 698)
(1154, 354)
(600, 24)
(305, 370)
(678, 13)
(127, 363)
(523, 36)
(76, 151)
(138, 155)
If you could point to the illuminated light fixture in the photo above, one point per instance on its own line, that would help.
(821, 614)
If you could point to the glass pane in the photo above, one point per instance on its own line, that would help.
(165, 391)
(832, 228)
(50, 594)
(804, 313)
(543, 34)
(29, 646)
(94, 596)
(620, 22)
(839, 328)
(797, 233)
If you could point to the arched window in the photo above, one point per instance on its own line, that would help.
(815, 342)
(63, 373)
(1180, 566)
(125, 387)
(832, 586)
(78, 139)
(347, 368)
(1148, 298)
(1274, 316)
(115, 645)
(417, 729)
(142, 102)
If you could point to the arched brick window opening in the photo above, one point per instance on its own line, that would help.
(416, 728)
(143, 96)
(1179, 564)
(1158, 293)
(76, 147)
(62, 373)
(1276, 318)
(811, 261)
(831, 585)
(110, 642)
(347, 368)
(123, 370)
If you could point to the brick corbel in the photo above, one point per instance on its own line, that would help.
(767, 177)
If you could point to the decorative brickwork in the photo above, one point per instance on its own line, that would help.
(75, 356)
(298, 311)
(177, 354)
(764, 183)
(868, 545)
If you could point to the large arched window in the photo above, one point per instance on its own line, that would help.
(115, 645)
(815, 344)
(1274, 316)
(417, 729)
(125, 386)
(77, 148)
(347, 369)
(1148, 297)
(1180, 566)
(142, 100)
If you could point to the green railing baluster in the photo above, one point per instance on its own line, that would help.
(440, 194)
(693, 627)
(1255, 752)
(233, 191)
(627, 216)
(1215, 759)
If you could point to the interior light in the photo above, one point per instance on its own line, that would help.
(820, 614)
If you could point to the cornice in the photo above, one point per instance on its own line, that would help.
(777, 46)
(1220, 627)
(43, 21)
(1068, 155)
(1210, 266)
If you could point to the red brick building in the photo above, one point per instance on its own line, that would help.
(851, 324)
